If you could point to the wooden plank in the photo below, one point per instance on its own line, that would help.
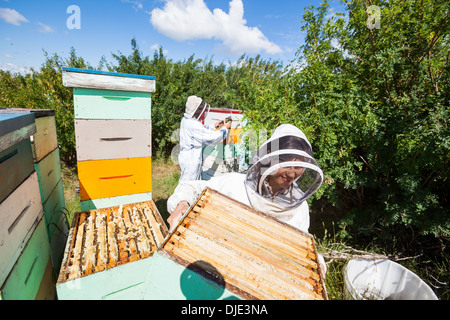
(58, 243)
(14, 128)
(113, 249)
(107, 104)
(297, 249)
(274, 228)
(115, 177)
(38, 113)
(92, 204)
(49, 173)
(102, 240)
(16, 164)
(10, 122)
(74, 266)
(112, 139)
(266, 271)
(260, 247)
(81, 78)
(25, 278)
(19, 214)
(44, 140)
(89, 251)
(54, 208)
(47, 288)
(158, 227)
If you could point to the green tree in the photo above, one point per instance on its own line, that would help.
(377, 106)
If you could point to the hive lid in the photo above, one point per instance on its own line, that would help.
(254, 255)
(94, 79)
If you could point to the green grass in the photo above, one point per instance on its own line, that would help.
(71, 196)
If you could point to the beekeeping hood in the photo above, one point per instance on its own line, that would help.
(287, 147)
(196, 108)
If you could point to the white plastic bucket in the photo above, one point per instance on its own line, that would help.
(384, 280)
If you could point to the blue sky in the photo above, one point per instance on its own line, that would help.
(219, 29)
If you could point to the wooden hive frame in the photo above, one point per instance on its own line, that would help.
(101, 239)
(255, 255)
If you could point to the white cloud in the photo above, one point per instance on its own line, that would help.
(12, 16)
(184, 20)
(137, 4)
(13, 68)
(156, 46)
(44, 28)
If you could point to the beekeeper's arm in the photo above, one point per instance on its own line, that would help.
(185, 194)
(207, 137)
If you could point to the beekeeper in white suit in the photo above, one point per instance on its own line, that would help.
(194, 136)
(283, 176)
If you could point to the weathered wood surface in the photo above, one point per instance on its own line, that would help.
(80, 78)
(27, 276)
(16, 164)
(104, 238)
(113, 139)
(44, 141)
(19, 214)
(100, 203)
(49, 173)
(15, 127)
(258, 256)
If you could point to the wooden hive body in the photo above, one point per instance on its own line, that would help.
(250, 254)
(107, 249)
(44, 146)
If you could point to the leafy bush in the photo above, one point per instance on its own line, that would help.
(375, 104)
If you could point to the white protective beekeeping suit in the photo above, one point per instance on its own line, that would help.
(194, 136)
(287, 147)
(287, 143)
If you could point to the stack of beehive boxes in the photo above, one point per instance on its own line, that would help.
(44, 144)
(25, 261)
(113, 136)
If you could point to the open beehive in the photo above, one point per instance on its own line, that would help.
(253, 255)
(101, 239)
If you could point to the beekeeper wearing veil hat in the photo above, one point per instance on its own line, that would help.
(194, 135)
(283, 175)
